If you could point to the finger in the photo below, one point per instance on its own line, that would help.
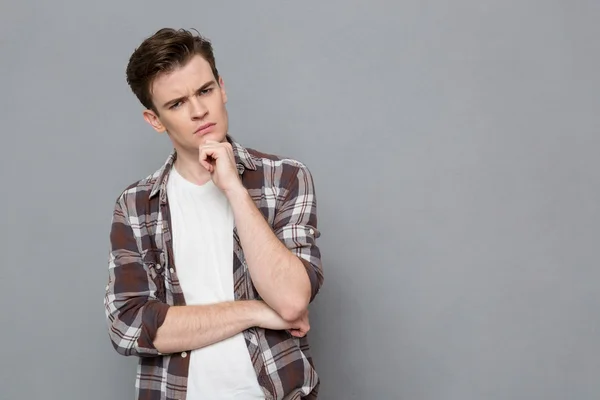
(213, 150)
(225, 147)
(205, 158)
(221, 155)
(301, 327)
(305, 327)
(304, 330)
(297, 333)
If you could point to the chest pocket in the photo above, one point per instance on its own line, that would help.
(154, 262)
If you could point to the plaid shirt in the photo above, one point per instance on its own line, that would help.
(143, 280)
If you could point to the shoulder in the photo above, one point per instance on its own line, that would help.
(136, 191)
(266, 160)
(280, 171)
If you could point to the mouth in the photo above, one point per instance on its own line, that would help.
(206, 128)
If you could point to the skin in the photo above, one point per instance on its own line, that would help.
(186, 100)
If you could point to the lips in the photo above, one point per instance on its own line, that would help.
(206, 128)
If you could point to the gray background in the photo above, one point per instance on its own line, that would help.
(454, 147)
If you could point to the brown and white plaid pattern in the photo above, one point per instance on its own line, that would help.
(143, 281)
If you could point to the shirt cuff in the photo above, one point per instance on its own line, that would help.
(153, 316)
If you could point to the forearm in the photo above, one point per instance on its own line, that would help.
(194, 327)
(278, 275)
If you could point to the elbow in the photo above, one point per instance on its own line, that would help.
(122, 345)
(295, 304)
(133, 332)
(126, 346)
(121, 349)
(294, 310)
(290, 314)
(130, 349)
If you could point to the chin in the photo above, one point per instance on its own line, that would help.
(216, 136)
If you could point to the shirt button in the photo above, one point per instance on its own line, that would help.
(184, 354)
(172, 270)
(312, 231)
(158, 266)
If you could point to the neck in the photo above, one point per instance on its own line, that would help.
(190, 168)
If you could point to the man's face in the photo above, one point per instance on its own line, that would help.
(190, 105)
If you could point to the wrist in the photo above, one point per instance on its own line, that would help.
(236, 193)
(256, 312)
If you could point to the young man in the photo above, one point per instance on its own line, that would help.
(213, 259)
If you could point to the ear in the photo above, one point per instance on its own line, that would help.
(151, 118)
(223, 92)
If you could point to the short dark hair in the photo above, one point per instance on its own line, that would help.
(163, 52)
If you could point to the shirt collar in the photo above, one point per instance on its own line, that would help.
(159, 180)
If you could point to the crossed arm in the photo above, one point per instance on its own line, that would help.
(284, 265)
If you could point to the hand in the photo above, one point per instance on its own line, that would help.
(269, 319)
(301, 326)
(219, 160)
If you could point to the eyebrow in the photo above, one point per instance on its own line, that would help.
(174, 101)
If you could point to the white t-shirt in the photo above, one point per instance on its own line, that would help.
(202, 226)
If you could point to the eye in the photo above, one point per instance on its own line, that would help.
(176, 105)
(206, 91)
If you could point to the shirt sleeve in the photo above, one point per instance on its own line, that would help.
(133, 311)
(295, 224)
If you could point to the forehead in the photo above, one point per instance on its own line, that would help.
(182, 80)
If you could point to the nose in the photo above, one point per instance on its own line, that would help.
(198, 108)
